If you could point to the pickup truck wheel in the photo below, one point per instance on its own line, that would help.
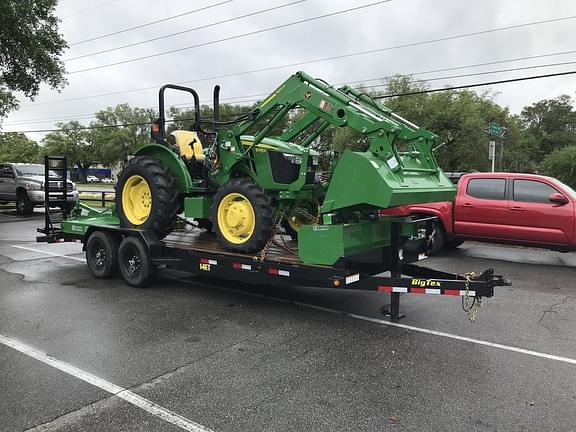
(101, 254)
(135, 264)
(454, 243)
(23, 204)
(437, 239)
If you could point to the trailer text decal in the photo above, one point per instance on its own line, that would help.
(423, 283)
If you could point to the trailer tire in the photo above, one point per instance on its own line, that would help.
(242, 216)
(147, 196)
(101, 254)
(135, 264)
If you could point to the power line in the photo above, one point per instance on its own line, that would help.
(150, 23)
(302, 63)
(229, 38)
(477, 85)
(516, 69)
(184, 31)
(89, 9)
(467, 86)
(232, 98)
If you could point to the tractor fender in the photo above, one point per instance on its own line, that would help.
(171, 161)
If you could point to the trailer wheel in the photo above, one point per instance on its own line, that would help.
(147, 196)
(101, 254)
(134, 263)
(242, 216)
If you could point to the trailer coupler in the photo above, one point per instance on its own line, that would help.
(471, 287)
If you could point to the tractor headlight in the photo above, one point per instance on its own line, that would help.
(292, 158)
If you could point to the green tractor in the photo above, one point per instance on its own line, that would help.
(246, 176)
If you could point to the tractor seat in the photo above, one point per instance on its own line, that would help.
(189, 144)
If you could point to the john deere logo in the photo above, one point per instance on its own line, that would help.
(78, 228)
(426, 283)
(308, 95)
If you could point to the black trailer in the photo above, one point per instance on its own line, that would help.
(138, 254)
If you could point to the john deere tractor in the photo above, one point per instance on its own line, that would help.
(245, 176)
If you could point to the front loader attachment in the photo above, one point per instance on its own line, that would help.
(363, 180)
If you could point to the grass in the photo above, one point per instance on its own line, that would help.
(95, 186)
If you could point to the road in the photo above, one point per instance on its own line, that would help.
(225, 356)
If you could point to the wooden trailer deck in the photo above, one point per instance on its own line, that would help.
(202, 241)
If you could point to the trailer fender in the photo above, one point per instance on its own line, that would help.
(171, 161)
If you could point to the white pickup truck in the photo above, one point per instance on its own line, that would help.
(23, 184)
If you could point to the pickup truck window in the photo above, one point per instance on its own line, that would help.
(532, 191)
(487, 188)
(6, 171)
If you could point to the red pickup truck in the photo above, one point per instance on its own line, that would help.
(525, 209)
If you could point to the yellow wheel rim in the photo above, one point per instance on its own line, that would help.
(236, 218)
(136, 200)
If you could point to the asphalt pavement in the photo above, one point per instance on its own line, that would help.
(227, 356)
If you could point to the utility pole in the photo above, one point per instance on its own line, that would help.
(492, 153)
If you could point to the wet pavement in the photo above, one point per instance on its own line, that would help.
(234, 357)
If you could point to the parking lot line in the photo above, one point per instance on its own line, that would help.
(115, 390)
(50, 253)
(467, 339)
(404, 326)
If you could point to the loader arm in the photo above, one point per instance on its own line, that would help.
(399, 162)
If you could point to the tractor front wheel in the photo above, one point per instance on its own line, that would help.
(242, 216)
(147, 196)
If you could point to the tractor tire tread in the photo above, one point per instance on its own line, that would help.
(262, 208)
(167, 203)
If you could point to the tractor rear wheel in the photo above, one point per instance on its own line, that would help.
(147, 196)
(242, 216)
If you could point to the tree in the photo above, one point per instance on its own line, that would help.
(16, 147)
(562, 165)
(183, 119)
(30, 49)
(551, 124)
(114, 143)
(72, 141)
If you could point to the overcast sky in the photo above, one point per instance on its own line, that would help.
(388, 24)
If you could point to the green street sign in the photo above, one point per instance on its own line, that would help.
(496, 130)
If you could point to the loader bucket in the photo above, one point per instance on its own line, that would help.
(363, 180)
